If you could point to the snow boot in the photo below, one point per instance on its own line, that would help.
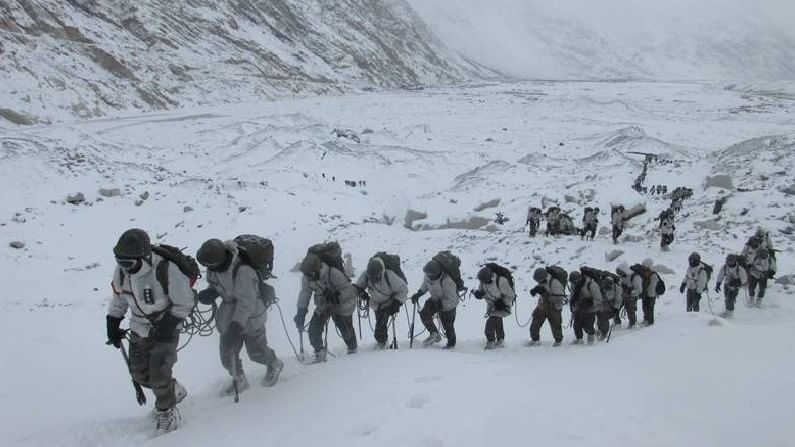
(179, 391)
(167, 421)
(272, 375)
(489, 345)
(556, 344)
(590, 339)
(432, 339)
(758, 303)
(577, 341)
(352, 350)
(534, 343)
(320, 356)
(242, 385)
(379, 346)
(499, 344)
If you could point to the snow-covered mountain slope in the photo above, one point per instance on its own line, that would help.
(279, 170)
(621, 39)
(87, 58)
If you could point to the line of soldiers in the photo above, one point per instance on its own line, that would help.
(155, 284)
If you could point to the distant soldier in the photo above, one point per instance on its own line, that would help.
(533, 220)
(617, 219)
(590, 221)
(732, 275)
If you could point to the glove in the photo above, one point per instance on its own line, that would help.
(333, 297)
(771, 274)
(500, 305)
(233, 334)
(416, 297)
(717, 288)
(207, 296)
(479, 294)
(392, 307)
(300, 319)
(115, 334)
(535, 290)
(682, 288)
(166, 329)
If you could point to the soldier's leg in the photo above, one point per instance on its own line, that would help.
(577, 325)
(345, 325)
(229, 350)
(536, 323)
(316, 327)
(500, 329)
(490, 331)
(631, 304)
(381, 326)
(162, 358)
(426, 316)
(448, 323)
(730, 296)
(603, 322)
(762, 287)
(139, 358)
(556, 323)
(257, 347)
(588, 323)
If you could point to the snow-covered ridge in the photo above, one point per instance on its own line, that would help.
(91, 58)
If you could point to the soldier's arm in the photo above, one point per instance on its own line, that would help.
(180, 293)
(305, 295)
(246, 294)
(117, 307)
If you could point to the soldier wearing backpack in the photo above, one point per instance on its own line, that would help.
(666, 229)
(159, 297)
(552, 291)
(242, 314)
(385, 289)
(695, 281)
(497, 290)
(758, 274)
(632, 288)
(533, 220)
(651, 286)
(334, 298)
(617, 220)
(443, 301)
(611, 305)
(732, 275)
(586, 300)
(590, 221)
(552, 216)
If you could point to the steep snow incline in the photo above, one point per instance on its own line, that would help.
(621, 39)
(88, 58)
(446, 154)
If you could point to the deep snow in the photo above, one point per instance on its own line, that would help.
(689, 380)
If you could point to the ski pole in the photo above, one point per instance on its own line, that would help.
(359, 314)
(301, 345)
(411, 330)
(139, 391)
(394, 335)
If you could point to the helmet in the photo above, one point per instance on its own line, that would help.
(648, 263)
(212, 253)
(485, 275)
(540, 274)
(694, 259)
(311, 265)
(375, 268)
(433, 270)
(132, 244)
(575, 276)
(754, 242)
(731, 260)
(623, 269)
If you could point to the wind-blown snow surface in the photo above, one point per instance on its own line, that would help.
(621, 39)
(692, 379)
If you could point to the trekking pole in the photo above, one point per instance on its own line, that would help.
(411, 327)
(709, 303)
(139, 391)
(233, 358)
(301, 357)
(359, 314)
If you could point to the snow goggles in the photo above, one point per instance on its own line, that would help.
(128, 264)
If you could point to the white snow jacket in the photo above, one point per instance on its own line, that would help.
(390, 286)
(618, 219)
(331, 280)
(554, 292)
(731, 274)
(499, 289)
(143, 295)
(696, 278)
(612, 298)
(631, 283)
(443, 289)
(588, 292)
(238, 288)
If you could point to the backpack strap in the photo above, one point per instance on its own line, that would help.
(161, 275)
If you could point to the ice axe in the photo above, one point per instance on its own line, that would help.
(139, 391)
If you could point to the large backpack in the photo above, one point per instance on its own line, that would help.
(330, 253)
(559, 273)
(256, 252)
(451, 265)
(186, 264)
(391, 263)
(502, 272)
(660, 289)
